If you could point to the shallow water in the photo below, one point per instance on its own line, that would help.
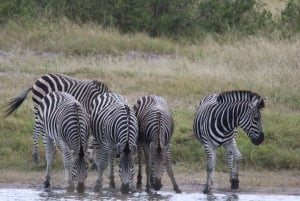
(8, 194)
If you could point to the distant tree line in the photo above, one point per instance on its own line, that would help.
(162, 17)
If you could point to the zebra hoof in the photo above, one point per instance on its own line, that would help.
(80, 187)
(112, 185)
(206, 189)
(176, 189)
(98, 188)
(125, 188)
(234, 184)
(46, 184)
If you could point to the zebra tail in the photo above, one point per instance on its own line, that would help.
(81, 153)
(14, 103)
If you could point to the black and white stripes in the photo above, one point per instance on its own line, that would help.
(114, 127)
(156, 127)
(83, 91)
(62, 119)
(216, 121)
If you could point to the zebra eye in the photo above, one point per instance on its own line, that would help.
(256, 118)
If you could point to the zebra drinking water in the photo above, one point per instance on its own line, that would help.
(83, 91)
(155, 131)
(62, 119)
(115, 130)
(216, 121)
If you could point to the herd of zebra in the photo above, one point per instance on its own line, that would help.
(85, 115)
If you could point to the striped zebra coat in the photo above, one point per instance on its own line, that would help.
(83, 91)
(62, 119)
(216, 121)
(114, 127)
(156, 127)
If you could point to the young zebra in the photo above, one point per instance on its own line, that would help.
(216, 121)
(155, 131)
(83, 91)
(62, 119)
(115, 129)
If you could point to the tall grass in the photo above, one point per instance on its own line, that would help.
(135, 65)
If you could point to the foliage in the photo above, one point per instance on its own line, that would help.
(175, 18)
(218, 16)
(290, 18)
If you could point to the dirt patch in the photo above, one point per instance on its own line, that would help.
(263, 182)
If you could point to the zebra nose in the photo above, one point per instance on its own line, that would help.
(125, 188)
(259, 140)
(156, 183)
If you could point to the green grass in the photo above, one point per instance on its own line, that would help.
(136, 65)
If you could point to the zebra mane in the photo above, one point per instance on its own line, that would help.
(100, 85)
(240, 95)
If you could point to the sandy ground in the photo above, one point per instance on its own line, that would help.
(263, 182)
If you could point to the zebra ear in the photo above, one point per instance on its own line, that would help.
(258, 103)
(253, 104)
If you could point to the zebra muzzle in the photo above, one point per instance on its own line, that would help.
(259, 140)
(156, 183)
(125, 188)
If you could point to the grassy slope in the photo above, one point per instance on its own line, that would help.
(136, 65)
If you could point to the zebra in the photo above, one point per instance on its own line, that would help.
(156, 127)
(62, 119)
(215, 124)
(114, 127)
(83, 91)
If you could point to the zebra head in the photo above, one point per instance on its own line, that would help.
(127, 151)
(79, 168)
(158, 158)
(126, 167)
(158, 152)
(251, 122)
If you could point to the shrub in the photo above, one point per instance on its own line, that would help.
(290, 18)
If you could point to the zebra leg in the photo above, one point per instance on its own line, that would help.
(139, 176)
(210, 167)
(148, 169)
(48, 144)
(35, 135)
(102, 163)
(170, 172)
(112, 157)
(67, 165)
(233, 155)
(237, 156)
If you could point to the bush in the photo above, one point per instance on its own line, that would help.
(219, 16)
(290, 18)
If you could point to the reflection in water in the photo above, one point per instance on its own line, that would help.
(55, 194)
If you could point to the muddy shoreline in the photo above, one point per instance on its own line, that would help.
(256, 182)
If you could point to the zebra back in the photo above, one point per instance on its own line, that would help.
(83, 91)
